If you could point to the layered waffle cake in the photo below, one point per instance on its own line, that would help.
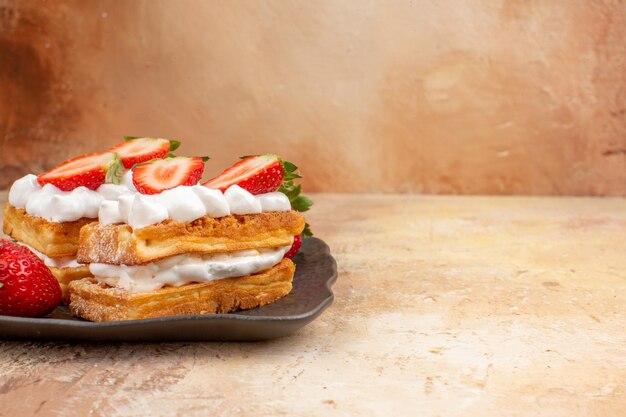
(175, 246)
(46, 212)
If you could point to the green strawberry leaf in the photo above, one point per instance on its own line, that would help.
(290, 190)
(174, 144)
(291, 176)
(131, 137)
(301, 203)
(293, 191)
(289, 167)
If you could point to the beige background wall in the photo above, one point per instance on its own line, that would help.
(525, 97)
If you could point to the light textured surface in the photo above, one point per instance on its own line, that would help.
(446, 97)
(445, 306)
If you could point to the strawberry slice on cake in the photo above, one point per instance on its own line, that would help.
(88, 171)
(257, 174)
(135, 150)
(165, 174)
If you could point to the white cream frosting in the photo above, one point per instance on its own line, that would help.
(184, 269)
(122, 203)
(187, 203)
(62, 262)
(22, 189)
(56, 205)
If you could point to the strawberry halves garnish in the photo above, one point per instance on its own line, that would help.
(256, 174)
(163, 174)
(259, 174)
(27, 287)
(90, 171)
(136, 150)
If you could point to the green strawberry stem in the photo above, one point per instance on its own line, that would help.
(115, 172)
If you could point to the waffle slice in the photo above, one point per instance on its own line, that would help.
(98, 302)
(55, 240)
(120, 244)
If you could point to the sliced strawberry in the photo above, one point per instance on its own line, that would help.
(257, 174)
(89, 171)
(137, 150)
(295, 247)
(164, 174)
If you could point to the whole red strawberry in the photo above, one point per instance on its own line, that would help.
(27, 287)
(295, 247)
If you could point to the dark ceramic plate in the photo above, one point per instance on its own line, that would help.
(315, 273)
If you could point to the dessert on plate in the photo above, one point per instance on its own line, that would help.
(46, 212)
(133, 233)
(176, 247)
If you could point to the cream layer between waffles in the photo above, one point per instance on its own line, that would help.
(186, 204)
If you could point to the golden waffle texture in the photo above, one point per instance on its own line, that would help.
(52, 239)
(98, 302)
(119, 244)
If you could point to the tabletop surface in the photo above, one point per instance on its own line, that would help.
(445, 306)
